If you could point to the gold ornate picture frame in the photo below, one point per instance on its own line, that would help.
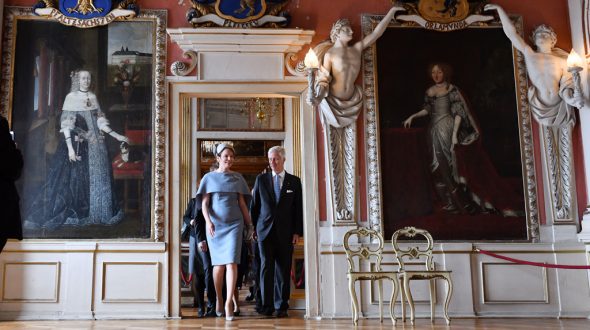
(403, 175)
(117, 153)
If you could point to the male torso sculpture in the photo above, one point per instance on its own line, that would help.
(340, 102)
(337, 95)
(551, 95)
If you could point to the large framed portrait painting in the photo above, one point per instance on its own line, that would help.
(449, 140)
(85, 105)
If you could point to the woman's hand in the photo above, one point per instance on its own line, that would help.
(210, 228)
(72, 155)
(408, 122)
(120, 138)
(249, 232)
(490, 6)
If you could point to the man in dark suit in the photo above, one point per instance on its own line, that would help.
(10, 170)
(277, 213)
(193, 217)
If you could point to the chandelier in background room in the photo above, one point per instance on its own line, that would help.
(262, 107)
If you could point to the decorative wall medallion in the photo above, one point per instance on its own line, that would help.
(86, 13)
(444, 15)
(444, 11)
(238, 13)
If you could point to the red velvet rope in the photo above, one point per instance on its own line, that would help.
(530, 263)
(190, 278)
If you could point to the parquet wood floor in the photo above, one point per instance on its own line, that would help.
(296, 321)
(251, 320)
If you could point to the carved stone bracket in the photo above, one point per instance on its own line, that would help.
(341, 149)
(558, 159)
(180, 68)
(299, 69)
(277, 48)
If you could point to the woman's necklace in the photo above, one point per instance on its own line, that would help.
(88, 103)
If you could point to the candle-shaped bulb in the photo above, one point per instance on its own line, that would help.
(574, 60)
(311, 60)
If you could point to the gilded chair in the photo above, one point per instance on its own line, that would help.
(422, 254)
(368, 252)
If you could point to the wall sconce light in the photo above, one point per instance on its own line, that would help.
(575, 64)
(312, 65)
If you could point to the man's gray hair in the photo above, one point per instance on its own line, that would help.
(278, 149)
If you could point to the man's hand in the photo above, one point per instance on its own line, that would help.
(295, 239)
(203, 246)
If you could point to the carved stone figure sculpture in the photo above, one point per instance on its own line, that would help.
(340, 102)
(551, 94)
(552, 98)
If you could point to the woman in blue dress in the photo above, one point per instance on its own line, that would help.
(224, 196)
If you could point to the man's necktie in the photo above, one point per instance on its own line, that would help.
(277, 187)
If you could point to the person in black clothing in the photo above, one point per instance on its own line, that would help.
(277, 213)
(10, 170)
(199, 257)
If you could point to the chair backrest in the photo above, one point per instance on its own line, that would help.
(364, 252)
(413, 252)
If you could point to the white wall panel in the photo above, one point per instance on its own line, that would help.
(130, 282)
(31, 282)
(504, 283)
(82, 280)
(482, 285)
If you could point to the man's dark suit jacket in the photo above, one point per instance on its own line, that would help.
(286, 216)
(10, 170)
(194, 212)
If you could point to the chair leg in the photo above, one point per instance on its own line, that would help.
(352, 291)
(409, 298)
(403, 300)
(394, 294)
(432, 297)
(380, 286)
(448, 299)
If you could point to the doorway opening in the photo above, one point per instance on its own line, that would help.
(252, 125)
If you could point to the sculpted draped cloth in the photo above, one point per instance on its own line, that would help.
(557, 114)
(337, 112)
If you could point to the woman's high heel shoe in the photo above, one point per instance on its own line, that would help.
(228, 316)
(218, 312)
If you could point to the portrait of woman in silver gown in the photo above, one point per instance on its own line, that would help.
(450, 124)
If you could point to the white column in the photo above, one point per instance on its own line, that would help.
(578, 14)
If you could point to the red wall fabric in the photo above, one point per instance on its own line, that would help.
(319, 15)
